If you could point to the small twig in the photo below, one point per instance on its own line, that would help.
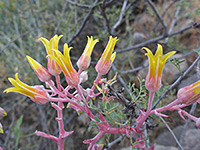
(134, 69)
(43, 119)
(153, 40)
(34, 17)
(75, 15)
(23, 34)
(103, 7)
(165, 11)
(158, 16)
(177, 81)
(120, 16)
(172, 133)
(185, 127)
(120, 78)
(61, 15)
(83, 22)
(198, 70)
(113, 142)
(79, 5)
(9, 131)
(174, 20)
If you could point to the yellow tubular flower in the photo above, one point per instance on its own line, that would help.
(156, 65)
(65, 64)
(1, 129)
(2, 112)
(40, 71)
(53, 67)
(107, 58)
(190, 94)
(36, 93)
(85, 59)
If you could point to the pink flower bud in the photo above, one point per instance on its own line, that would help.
(107, 58)
(50, 46)
(1, 128)
(65, 64)
(85, 59)
(83, 76)
(40, 71)
(190, 94)
(2, 112)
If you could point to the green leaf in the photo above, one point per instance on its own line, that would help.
(97, 119)
(17, 132)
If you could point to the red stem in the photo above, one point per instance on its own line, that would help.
(147, 113)
(93, 87)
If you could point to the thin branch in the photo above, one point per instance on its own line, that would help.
(153, 40)
(134, 69)
(103, 7)
(120, 16)
(165, 11)
(35, 17)
(158, 16)
(120, 78)
(43, 118)
(62, 14)
(172, 133)
(177, 81)
(174, 20)
(24, 34)
(79, 5)
(117, 140)
(83, 22)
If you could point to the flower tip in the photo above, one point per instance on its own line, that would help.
(173, 52)
(42, 39)
(159, 45)
(4, 113)
(29, 58)
(113, 56)
(1, 131)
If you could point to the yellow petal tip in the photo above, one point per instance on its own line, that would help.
(1, 130)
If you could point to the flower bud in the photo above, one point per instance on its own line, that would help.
(63, 60)
(50, 46)
(190, 94)
(40, 71)
(83, 76)
(85, 59)
(2, 112)
(1, 128)
(107, 58)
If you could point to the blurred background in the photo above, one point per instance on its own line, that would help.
(175, 24)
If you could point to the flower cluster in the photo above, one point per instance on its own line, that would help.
(80, 99)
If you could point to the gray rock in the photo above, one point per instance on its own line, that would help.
(187, 81)
(161, 147)
(191, 140)
(83, 119)
(166, 139)
(138, 38)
